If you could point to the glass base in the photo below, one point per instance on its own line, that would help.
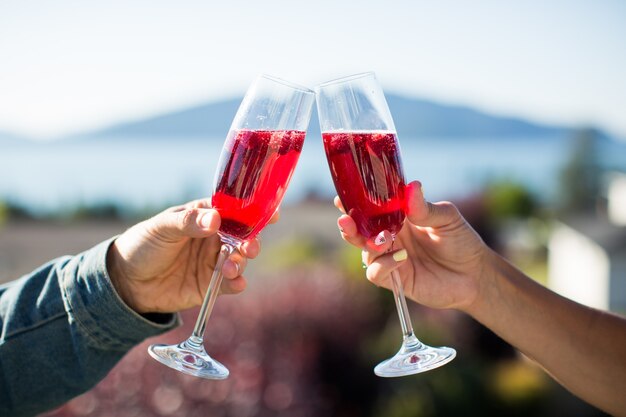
(414, 358)
(189, 358)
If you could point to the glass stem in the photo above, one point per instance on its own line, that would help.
(211, 295)
(409, 340)
(403, 311)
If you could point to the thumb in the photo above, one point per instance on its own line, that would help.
(189, 222)
(424, 213)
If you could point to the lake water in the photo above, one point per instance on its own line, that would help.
(140, 173)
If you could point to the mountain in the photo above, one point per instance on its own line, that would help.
(207, 120)
(413, 118)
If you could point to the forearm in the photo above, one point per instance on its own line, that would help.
(583, 348)
(63, 329)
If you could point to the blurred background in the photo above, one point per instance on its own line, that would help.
(112, 111)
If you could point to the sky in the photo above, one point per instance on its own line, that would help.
(70, 66)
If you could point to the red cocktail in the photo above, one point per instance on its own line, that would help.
(364, 159)
(252, 178)
(367, 172)
(256, 163)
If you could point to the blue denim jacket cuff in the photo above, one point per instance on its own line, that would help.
(95, 307)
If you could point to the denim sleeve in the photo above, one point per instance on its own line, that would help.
(63, 327)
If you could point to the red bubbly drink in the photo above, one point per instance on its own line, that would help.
(367, 172)
(255, 166)
(252, 177)
(364, 159)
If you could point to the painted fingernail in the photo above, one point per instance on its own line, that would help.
(400, 255)
(380, 239)
(364, 265)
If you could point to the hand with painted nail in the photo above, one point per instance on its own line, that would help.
(164, 264)
(443, 263)
(437, 253)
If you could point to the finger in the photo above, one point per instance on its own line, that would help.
(369, 256)
(337, 202)
(378, 271)
(423, 213)
(380, 243)
(349, 231)
(200, 203)
(233, 286)
(190, 222)
(234, 266)
(174, 209)
(251, 248)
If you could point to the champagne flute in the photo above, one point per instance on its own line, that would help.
(363, 154)
(256, 164)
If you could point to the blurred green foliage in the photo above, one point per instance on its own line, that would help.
(97, 211)
(517, 382)
(101, 211)
(469, 388)
(506, 200)
(290, 253)
(4, 212)
(348, 259)
(10, 210)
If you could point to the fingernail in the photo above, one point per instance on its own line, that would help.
(206, 220)
(380, 239)
(400, 255)
(234, 265)
(341, 229)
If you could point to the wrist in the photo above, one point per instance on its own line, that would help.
(486, 284)
(117, 276)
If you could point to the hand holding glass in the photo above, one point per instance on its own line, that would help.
(256, 164)
(363, 154)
